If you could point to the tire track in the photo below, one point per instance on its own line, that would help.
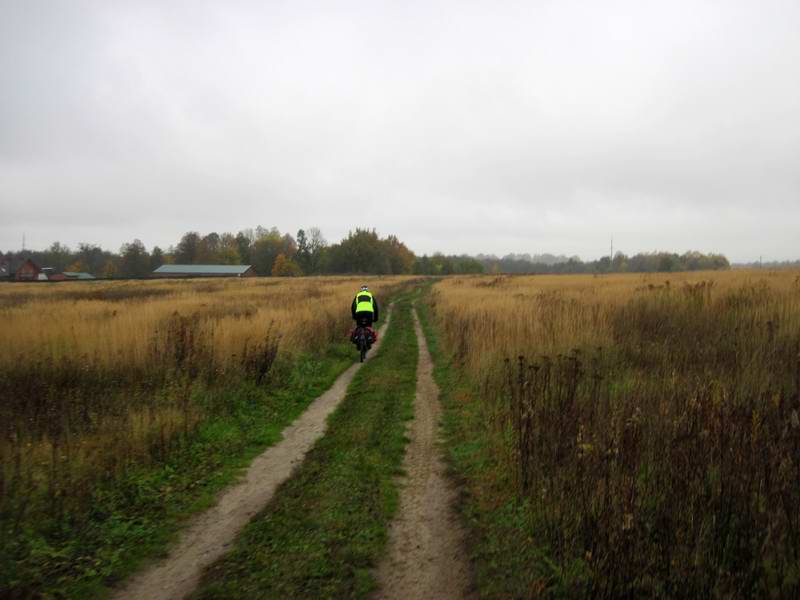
(426, 557)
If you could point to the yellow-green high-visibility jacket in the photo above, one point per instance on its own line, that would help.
(365, 302)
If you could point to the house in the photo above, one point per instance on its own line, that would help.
(78, 276)
(205, 271)
(29, 271)
(9, 267)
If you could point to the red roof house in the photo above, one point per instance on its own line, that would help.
(28, 271)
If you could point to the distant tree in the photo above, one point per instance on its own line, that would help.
(363, 251)
(243, 244)
(169, 256)
(359, 252)
(135, 261)
(317, 248)
(603, 265)
(719, 261)
(442, 265)
(620, 263)
(285, 267)
(156, 258)
(401, 259)
(422, 266)
(668, 263)
(229, 255)
(109, 269)
(76, 267)
(93, 258)
(57, 256)
(467, 264)
(266, 249)
(188, 249)
(228, 252)
(303, 256)
(642, 263)
(573, 265)
(208, 249)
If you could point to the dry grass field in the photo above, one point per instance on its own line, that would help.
(649, 424)
(647, 427)
(98, 377)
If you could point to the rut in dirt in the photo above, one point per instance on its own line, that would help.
(427, 555)
(211, 534)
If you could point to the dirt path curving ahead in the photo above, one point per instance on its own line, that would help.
(209, 535)
(427, 557)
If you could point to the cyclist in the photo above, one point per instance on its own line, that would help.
(365, 311)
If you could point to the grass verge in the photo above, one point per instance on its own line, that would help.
(135, 518)
(507, 561)
(326, 526)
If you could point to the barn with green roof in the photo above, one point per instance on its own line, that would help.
(205, 271)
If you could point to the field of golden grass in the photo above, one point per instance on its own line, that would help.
(649, 424)
(119, 324)
(97, 377)
(555, 313)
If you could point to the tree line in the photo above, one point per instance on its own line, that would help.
(269, 251)
(307, 252)
(768, 264)
(644, 262)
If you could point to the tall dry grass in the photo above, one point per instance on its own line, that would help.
(651, 424)
(97, 377)
(116, 325)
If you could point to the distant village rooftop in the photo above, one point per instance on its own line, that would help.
(78, 275)
(204, 271)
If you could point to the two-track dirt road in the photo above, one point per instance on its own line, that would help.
(426, 557)
(210, 534)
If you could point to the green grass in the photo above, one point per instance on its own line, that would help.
(321, 535)
(507, 561)
(135, 518)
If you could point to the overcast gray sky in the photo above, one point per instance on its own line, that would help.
(538, 126)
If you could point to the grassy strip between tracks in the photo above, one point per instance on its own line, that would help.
(507, 562)
(136, 517)
(321, 535)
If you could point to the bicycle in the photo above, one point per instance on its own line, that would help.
(363, 338)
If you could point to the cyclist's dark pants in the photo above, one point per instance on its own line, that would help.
(364, 318)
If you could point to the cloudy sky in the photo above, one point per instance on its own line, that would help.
(535, 126)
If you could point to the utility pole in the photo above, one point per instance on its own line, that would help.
(23, 242)
(611, 262)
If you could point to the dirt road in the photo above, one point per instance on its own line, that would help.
(210, 534)
(426, 557)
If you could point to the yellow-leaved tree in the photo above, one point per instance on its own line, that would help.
(285, 267)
